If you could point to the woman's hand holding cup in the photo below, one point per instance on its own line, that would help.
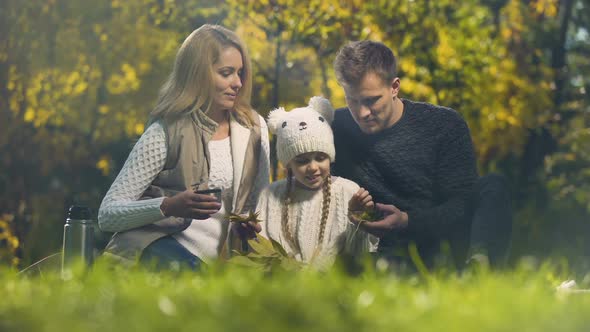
(190, 204)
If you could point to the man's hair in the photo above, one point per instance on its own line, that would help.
(356, 59)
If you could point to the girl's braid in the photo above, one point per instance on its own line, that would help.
(327, 192)
(285, 214)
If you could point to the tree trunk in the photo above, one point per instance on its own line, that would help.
(274, 164)
(559, 54)
(325, 88)
(540, 142)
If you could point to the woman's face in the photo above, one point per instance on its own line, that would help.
(227, 79)
(310, 169)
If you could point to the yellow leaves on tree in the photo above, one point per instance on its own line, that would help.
(514, 24)
(104, 165)
(124, 81)
(53, 94)
(9, 243)
(545, 7)
(446, 51)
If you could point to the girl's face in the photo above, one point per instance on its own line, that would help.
(310, 169)
(227, 79)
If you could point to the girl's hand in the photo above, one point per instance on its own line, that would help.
(247, 230)
(361, 201)
(188, 204)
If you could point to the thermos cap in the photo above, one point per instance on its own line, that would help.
(79, 212)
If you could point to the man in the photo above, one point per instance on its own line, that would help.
(418, 160)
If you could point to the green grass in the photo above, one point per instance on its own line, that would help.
(233, 299)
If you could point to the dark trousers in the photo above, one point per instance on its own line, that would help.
(491, 225)
(167, 254)
(486, 229)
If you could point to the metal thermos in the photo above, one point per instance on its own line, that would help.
(78, 241)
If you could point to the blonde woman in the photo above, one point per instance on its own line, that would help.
(203, 134)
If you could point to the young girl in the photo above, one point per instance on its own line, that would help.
(307, 213)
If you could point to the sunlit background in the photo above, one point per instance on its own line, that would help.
(78, 79)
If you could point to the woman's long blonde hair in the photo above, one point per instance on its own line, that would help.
(190, 85)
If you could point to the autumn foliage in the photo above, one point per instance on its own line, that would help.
(78, 79)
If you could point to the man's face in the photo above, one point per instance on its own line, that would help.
(372, 103)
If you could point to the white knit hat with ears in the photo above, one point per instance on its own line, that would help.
(304, 129)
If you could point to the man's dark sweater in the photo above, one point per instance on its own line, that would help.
(424, 165)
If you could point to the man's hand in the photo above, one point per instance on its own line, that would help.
(394, 219)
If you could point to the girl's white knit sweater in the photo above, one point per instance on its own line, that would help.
(305, 212)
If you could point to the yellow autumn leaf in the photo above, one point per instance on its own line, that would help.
(252, 216)
(15, 261)
(29, 115)
(501, 115)
(103, 109)
(13, 241)
(139, 128)
(80, 88)
(115, 84)
(72, 78)
(513, 120)
(144, 67)
(103, 165)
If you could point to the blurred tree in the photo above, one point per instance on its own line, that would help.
(76, 79)
(451, 54)
(569, 167)
(294, 43)
(504, 66)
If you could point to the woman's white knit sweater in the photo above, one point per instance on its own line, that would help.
(121, 208)
(305, 211)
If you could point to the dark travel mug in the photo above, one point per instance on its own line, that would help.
(211, 192)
